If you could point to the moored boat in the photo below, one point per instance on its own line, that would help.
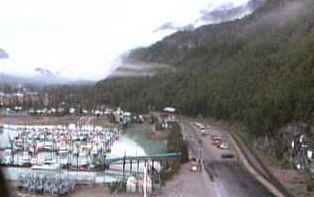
(46, 167)
(26, 159)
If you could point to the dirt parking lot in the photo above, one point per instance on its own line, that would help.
(184, 184)
(38, 120)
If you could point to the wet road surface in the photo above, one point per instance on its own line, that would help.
(227, 177)
(231, 179)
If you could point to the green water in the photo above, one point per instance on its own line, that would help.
(140, 134)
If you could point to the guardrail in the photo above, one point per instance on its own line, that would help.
(156, 157)
(266, 174)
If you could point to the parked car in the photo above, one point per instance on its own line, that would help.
(216, 140)
(204, 132)
(223, 146)
(199, 125)
(195, 165)
(215, 137)
(227, 156)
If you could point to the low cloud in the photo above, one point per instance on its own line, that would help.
(278, 18)
(3, 54)
(140, 69)
(172, 27)
(226, 12)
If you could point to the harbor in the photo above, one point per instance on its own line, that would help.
(57, 159)
(52, 147)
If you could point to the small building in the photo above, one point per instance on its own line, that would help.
(168, 117)
(169, 114)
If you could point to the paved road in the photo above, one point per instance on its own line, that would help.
(227, 178)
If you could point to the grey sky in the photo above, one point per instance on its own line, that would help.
(83, 38)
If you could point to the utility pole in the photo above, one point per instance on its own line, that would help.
(200, 160)
(124, 164)
(145, 181)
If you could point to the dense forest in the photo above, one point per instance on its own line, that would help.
(258, 70)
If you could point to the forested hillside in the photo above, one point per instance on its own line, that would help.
(258, 70)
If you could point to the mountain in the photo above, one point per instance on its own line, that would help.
(10, 79)
(224, 13)
(257, 70)
(40, 77)
(229, 12)
(139, 69)
(45, 73)
(48, 76)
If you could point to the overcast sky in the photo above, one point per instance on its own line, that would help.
(82, 38)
